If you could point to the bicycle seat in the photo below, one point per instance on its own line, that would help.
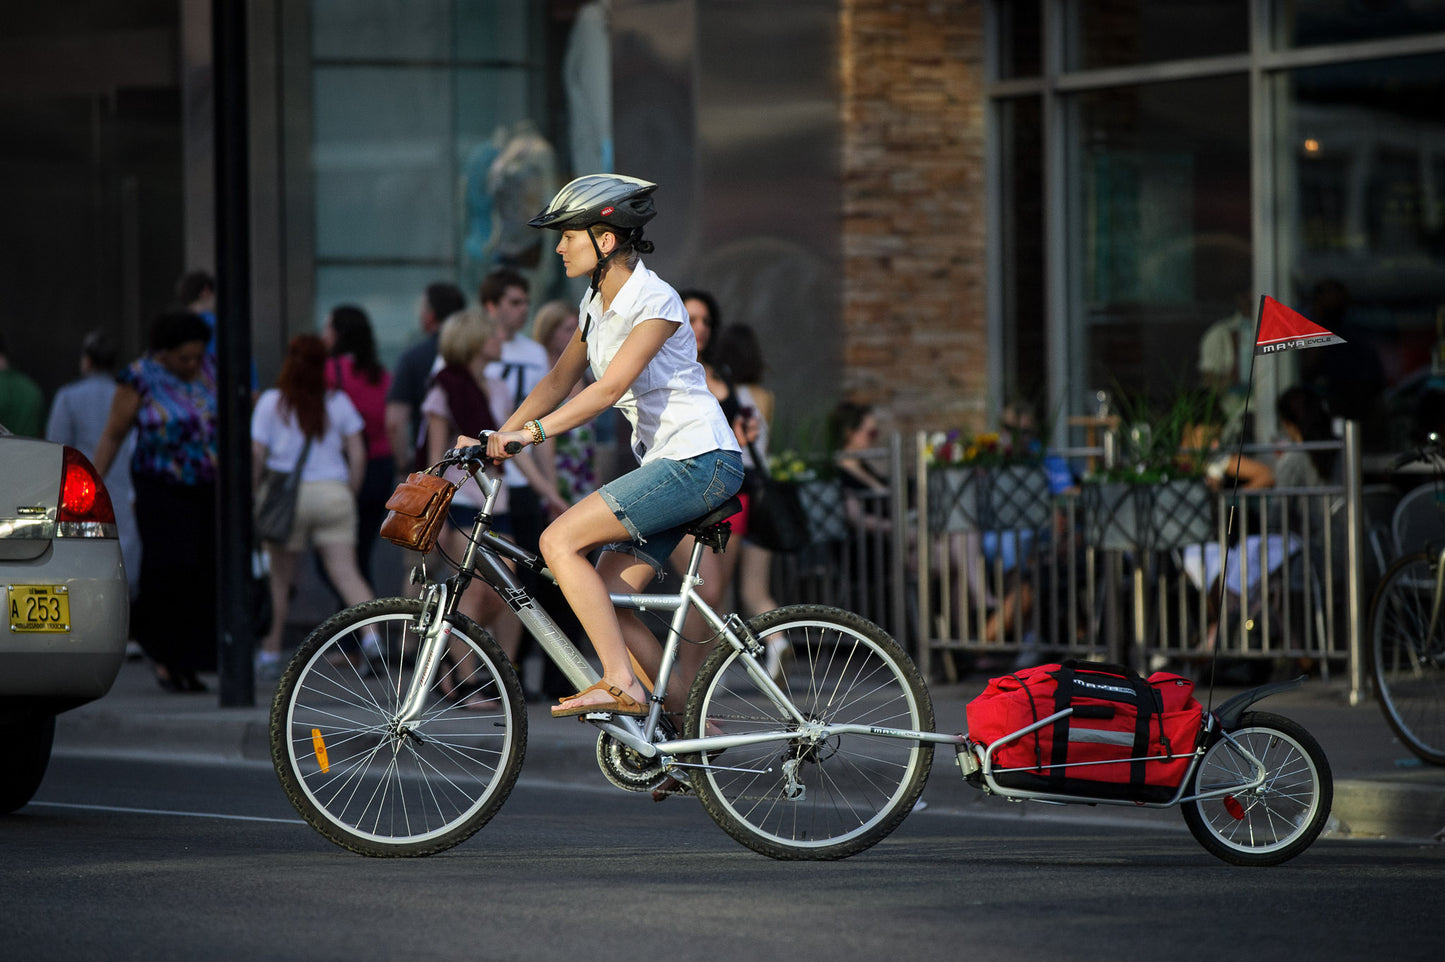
(711, 529)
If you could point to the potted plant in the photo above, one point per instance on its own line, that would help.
(820, 496)
(979, 482)
(1153, 495)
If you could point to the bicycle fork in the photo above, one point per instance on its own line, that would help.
(435, 634)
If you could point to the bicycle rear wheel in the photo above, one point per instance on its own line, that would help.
(809, 796)
(1408, 659)
(371, 784)
(1276, 821)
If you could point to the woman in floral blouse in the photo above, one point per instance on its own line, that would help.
(169, 397)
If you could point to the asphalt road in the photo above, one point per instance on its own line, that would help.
(120, 859)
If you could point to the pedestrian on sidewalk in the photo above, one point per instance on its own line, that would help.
(168, 397)
(301, 409)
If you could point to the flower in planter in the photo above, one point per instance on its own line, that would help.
(986, 450)
(791, 466)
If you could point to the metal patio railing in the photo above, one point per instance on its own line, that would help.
(1296, 584)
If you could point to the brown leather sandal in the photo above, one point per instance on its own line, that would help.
(622, 704)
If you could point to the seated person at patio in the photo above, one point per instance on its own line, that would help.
(1303, 416)
(1022, 554)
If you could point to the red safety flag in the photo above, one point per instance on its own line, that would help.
(1281, 329)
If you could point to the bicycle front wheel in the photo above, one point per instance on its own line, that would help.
(366, 780)
(812, 795)
(1274, 821)
(1408, 658)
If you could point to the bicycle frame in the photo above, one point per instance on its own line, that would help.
(484, 558)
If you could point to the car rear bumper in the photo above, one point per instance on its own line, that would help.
(80, 664)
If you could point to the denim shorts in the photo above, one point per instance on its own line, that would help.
(659, 500)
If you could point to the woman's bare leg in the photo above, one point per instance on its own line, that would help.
(755, 570)
(283, 568)
(339, 560)
(565, 544)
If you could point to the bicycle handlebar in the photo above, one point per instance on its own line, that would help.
(475, 452)
(1421, 452)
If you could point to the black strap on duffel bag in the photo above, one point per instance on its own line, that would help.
(1105, 682)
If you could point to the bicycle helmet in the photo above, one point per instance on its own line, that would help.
(612, 200)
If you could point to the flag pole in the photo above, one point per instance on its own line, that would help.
(1223, 578)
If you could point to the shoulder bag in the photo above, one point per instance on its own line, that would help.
(776, 519)
(276, 499)
(417, 509)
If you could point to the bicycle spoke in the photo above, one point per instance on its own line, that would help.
(370, 781)
(814, 795)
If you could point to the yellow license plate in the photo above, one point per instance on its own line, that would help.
(39, 608)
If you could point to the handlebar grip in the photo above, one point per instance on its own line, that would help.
(472, 452)
(514, 447)
(1415, 454)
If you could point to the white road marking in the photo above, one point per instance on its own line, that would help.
(161, 811)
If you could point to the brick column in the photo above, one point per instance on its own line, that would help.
(913, 209)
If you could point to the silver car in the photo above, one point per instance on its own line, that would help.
(67, 604)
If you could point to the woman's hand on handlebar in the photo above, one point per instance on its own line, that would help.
(502, 445)
(466, 449)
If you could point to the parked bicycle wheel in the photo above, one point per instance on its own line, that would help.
(812, 796)
(1409, 659)
(370, 783)
(1276, 821)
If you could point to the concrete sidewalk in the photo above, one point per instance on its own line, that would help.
(1380, 789)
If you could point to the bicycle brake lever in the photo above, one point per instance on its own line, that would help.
(472, 452)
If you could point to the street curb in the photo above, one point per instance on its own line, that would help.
(1390, 809)
(224, 735)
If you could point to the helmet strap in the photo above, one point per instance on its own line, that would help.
(602, 260)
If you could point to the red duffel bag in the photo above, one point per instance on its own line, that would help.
(1127, 737)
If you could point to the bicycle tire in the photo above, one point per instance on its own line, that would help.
(1408, 667)
(375, 788)
(1276, 821)
(856, 789)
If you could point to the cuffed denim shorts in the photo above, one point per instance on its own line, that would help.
(660, 499)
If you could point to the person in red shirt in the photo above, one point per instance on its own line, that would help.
(353, 369)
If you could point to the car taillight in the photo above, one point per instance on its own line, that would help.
(85, 508)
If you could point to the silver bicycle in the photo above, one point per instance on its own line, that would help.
(399, 727)
(1407, 634)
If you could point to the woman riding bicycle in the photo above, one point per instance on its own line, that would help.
(636, 337)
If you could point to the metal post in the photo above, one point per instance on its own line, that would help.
(898, 532)
(233, 342)
(925, 601)
(1354, 556)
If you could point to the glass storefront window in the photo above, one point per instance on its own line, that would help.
(1162, 234)
(1121, 33)
(1024, 333)
(382, 167)
(1306, 23)
(428, 120)
(381, 29)
(1363, 171)
(1020, 48)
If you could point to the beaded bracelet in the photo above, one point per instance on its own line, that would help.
(538, 435)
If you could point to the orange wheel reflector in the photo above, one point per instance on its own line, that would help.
(318, 744)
